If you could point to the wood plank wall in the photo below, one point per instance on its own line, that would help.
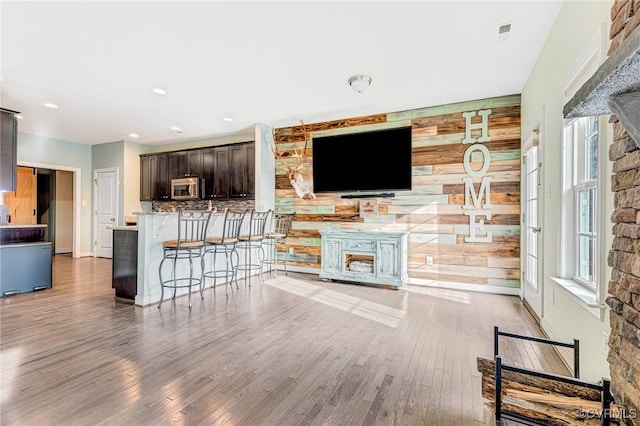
(432, 212)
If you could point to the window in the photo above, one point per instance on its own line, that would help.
(581, 201)
(585, 228)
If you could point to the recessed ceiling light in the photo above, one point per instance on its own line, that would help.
(134, 135)
(175, 129)
(50, 105)
(228, 119)
(159, 91)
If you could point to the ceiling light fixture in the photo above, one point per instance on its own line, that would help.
(175, 129)
(50, 105)
(359, 82)
(227, 119)
(159, 91)
(134, 135)
(18, 116)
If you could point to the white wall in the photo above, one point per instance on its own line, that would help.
(564, 317)
(265, 166)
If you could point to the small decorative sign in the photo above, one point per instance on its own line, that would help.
(368, 208)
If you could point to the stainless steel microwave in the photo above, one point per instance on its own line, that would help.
(186, 188)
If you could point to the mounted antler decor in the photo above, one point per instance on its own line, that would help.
(302, 186)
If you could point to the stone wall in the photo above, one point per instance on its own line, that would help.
(624, 257)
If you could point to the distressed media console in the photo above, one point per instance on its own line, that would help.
(371, 257)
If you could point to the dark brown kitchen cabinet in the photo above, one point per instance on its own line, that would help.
(195, 162)
(242, 170)
(8, 149)
(124, 266)
(185, 163)
(215, 171)
(228, 171)
(148, 177)
(178, 164)
(163, 184)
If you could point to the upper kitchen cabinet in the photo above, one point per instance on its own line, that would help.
(185, 164)
(215, 171)
(178, 164)
(195, 162)
(242, 170)
(8, 149)
(148, 177)
(163, 183)
(228, 171)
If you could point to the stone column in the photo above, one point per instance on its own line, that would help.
(624, 257)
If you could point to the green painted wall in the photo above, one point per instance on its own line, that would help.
(56, 152)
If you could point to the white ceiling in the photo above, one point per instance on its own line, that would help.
(268, 62)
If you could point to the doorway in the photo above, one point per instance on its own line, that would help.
(68, 216)
(106, 202)
(46, 204)
(531, 226)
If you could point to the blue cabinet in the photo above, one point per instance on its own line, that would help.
(368, 257)
(24, 268)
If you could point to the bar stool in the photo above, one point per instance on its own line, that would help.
(252, 241)
(192, 225)
(225, 244)
(277, 234)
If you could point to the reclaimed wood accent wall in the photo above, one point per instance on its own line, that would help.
(432, 212)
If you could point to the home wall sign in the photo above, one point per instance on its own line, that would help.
(473, 206)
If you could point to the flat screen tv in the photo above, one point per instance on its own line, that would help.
(378, 160)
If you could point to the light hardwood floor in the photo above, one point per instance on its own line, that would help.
(291, 350)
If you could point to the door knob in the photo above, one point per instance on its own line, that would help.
(536, 230)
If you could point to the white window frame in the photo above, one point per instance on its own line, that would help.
(576, 182)
(591, 294)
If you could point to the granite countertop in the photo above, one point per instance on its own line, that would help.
(169, 213)
(125, 228)
(25, 244)
(154, 213)
(23, 226)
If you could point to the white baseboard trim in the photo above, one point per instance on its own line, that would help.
(64, 251)
(302, 269)
(567, 360)
(85, 254)
(451, 285)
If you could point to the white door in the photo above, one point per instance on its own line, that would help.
(106, 203)
(532, 272)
